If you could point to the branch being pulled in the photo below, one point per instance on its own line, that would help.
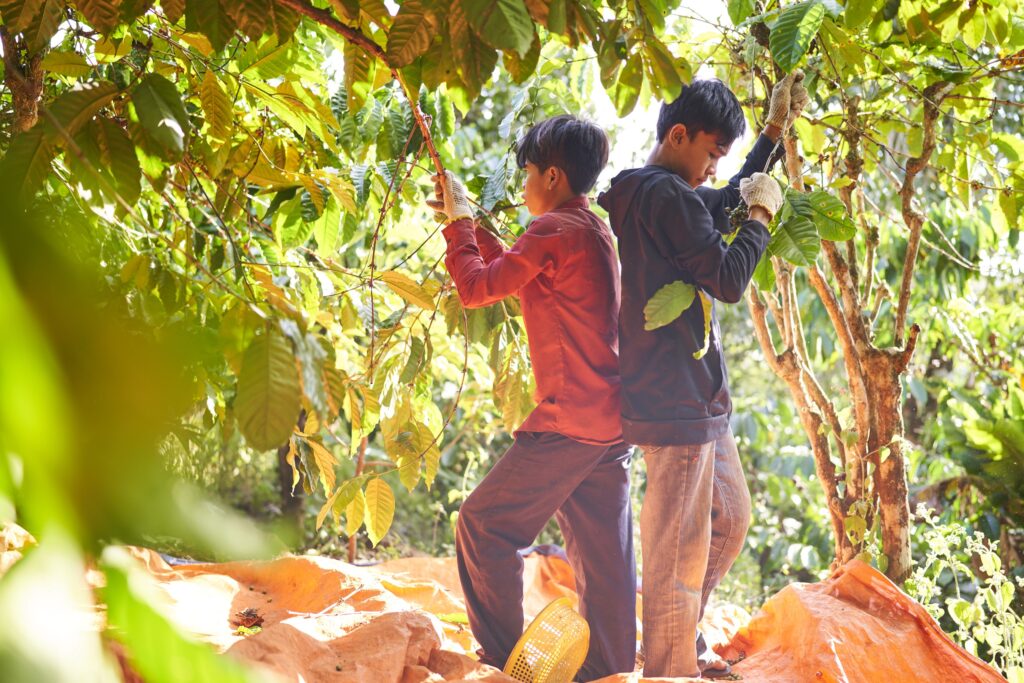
(367, 44)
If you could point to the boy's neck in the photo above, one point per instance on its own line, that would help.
(556, 199)
(658, 157)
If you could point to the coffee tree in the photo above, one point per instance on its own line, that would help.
(241, 188)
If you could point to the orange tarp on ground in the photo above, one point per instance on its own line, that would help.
(399, 622)
(392, 622)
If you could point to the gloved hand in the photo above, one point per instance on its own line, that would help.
(761, 190)
(789, 97)
(451, 199)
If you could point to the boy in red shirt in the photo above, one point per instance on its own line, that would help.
(568, 458)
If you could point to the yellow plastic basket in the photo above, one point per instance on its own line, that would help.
(553, 647)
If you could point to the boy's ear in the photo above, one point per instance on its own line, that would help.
(677, 133)
(551, 176)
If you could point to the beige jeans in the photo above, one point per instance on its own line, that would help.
(693, 523)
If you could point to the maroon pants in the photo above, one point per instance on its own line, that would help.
(586, 488)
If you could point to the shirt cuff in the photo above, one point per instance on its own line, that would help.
(460, 227)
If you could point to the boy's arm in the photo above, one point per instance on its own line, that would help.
(490, 246)
(720, 201)
(789, 97)
(684, 233)
(481, 282)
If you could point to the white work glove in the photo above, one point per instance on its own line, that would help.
(451, 199)
(789, 97)
(761, 190)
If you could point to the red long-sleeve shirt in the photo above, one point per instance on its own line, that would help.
(565, 271)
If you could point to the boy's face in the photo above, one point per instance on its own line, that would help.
(539, 189)
(694, 159)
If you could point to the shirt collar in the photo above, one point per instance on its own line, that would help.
(577, 202)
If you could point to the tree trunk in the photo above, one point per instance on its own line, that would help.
(23, 76)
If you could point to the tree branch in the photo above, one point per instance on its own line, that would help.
(932, 97)
(364, 42)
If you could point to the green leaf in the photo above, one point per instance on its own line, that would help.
(380, 509)
(792, 34)
(654, 11)
(795, 240)
(69, 64)
(75, 108)
(27, 162)
(210, 18)
(410, 34)
(445, 114)
(764, 274)
(267, 403)
(162, 115)
(327, 228)
(661, 64)
(627, 89)
(268, 58)
(739, 10)
(28, 158)
(217, 106)
(405, 287)
(826, 211)
(667, 304)
(495, 188)
(417, 355)
(859, 11)
(117, 156)
(557, 17)
(503, 24)
(102, 15)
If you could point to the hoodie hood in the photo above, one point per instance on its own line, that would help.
(617, 199)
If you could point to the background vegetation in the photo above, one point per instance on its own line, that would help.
(227, 295)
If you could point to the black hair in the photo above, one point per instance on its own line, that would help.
(579, 148)
(705, 105)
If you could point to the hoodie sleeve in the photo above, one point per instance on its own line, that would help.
(482, 281)
(720, 201)
(684, 233)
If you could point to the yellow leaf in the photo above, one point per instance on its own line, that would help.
(706, 304)
(311, 426)
(290, 459)
(314, 192)
(406, 287)
(409, 471)
(432, 454)
(275, 295)
(322, 515)
(355, 513)
(325, 462)
(380, 509)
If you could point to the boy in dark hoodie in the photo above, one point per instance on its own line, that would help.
(674, 406)
(568, 458)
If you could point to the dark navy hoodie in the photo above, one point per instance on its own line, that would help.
(668, 231)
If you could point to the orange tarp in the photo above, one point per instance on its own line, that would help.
(404, 622)
(393, 622)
